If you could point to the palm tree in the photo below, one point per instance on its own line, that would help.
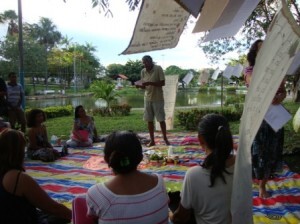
(11, 17)
(104, 90)
(46, 33)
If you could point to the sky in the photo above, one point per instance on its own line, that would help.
(110, 35)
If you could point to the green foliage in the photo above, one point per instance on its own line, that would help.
(58, 111)
(254, 28)
(132, 69)
(203, 89)
(231, 88)
(115, 110)
(105, 125)
(212, 89)
(113, 70)
(104, 90)
(189, 119)
(236, 101)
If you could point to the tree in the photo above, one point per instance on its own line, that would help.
(175, 70)
(46, 34)
(113, 70)
(104, 5)
(255, 27)
(132, 69)
(11, 18)
(104, 90)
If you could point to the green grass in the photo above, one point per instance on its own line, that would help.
(62, 127)
(105, 125)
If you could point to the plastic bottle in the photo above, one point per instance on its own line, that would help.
(170, 151)
(53, 140)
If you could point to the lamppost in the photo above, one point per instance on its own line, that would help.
(21, 58)
(74, 67)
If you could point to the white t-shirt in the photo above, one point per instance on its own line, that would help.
(211, 205)
(149, 207)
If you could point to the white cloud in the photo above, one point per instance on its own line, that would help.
(78, 20)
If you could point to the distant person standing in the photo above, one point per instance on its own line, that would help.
(152, 80)
(15, 97)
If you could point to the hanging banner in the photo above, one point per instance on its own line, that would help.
(210, 13)
(237, 70)
(230, 29)
(188, 77)
(274, 58)
(170, 91)
(228, 71)
(191, 6)
(203, 77)
(159, 26)
(216, 74)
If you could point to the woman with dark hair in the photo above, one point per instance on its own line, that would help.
(267, 146)
(38, 146)
(20, 195)
(207, 188)
(130, 196)
(84, 131)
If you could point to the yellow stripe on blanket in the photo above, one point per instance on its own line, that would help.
(275, 219)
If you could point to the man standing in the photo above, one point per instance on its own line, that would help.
(15, 97)
(152, 80)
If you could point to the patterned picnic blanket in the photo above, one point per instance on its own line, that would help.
(74, 174)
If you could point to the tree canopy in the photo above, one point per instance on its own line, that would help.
(254, 28)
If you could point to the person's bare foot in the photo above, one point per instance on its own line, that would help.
(264, 194)
(167, 142)
(150, 144)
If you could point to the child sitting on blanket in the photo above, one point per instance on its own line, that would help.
(39, 147)
(207, 189)
(130, 196)
(84, 131)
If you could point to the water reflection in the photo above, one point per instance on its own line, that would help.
(183, 99)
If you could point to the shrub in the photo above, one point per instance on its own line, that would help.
(203, 89)
(231, 88)
(58, 111)
(190, 119)
(236, 101)
(115, 110)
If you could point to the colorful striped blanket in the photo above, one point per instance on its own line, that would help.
(74, 174)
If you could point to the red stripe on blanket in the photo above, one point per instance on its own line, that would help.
(279, 199)
(55, 171)
(63, 189)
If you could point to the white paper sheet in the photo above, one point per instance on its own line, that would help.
(216, 74)
(188, 78)
(274, 58)
(277, 116)
(235, 25)
(159, 26)
(210, 13)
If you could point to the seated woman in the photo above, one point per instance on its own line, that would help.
(207, 189)
(84, 132)
(39, 146)
(130, 196)
(20, 195)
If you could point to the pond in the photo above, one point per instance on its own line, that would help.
(184, 98)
